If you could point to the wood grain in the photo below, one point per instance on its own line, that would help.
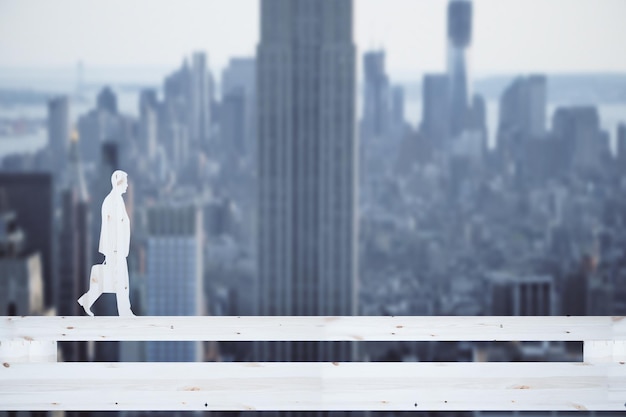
(362, 328)
(313, 386)
(599, 383)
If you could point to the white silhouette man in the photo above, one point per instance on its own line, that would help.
(114, 245)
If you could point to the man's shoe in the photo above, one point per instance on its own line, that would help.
(87, 309)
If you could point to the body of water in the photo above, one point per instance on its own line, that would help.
(126, 83)
(127, 102)
(611, 115)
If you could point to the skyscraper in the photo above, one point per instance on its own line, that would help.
(521, 295)
(239, 86)
(107, 101)
(148, 123)
(174, 124)
(435, 111)
(307, 169)
(396, 108)
(523, 109)
(232, 121)
(75, 250)
(101, 124)
(59, 130)
(174, 275)
(200, 98)
(29, 195)
(80, 70)
(578, 129)
(621, 144)
(376, 96)
(459, 39)
(20, 270)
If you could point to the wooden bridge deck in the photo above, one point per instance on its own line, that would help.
(31, 379)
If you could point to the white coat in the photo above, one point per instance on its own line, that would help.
(115, 231)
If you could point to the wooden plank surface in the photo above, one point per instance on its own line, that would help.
(312, 386)
(362, 328)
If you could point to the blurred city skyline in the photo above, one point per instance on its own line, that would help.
(511, 36)
(287, 183)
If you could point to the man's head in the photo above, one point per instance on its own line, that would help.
(119, 181)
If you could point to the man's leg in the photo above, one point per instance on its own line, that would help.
(123, 290)
(95, 290)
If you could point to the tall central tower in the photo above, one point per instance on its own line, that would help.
(459, 40)
(307, 154)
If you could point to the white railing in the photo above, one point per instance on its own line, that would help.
(31, 379)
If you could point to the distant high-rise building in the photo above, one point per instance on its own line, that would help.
(477, 120)
(95, 128)
(435, 110)
(20, 270)
(578, 129)
(80, 69)
(177, 86)
(90, 131)
(108, 163)
(397, 124)
(148, 123)
(239, 84)
(376, 96)
(621, 143)
(232, 121)
(174, 121)
(75, 249)
(200, 98)
(174, 275)
(307, 174)
(212, 101)
(523, 110)
(240, 73)
(74, 243)
(537, 98)
(576, 288)
(148, 134)
(522, 140)
(59, 130)
(532, 295)
(107, 101)
(459, 40)
(173, 135)
(148, 99)
(29, 195)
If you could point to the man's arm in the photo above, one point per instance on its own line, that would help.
(104, 230)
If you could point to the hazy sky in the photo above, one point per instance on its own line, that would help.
(517, 36)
